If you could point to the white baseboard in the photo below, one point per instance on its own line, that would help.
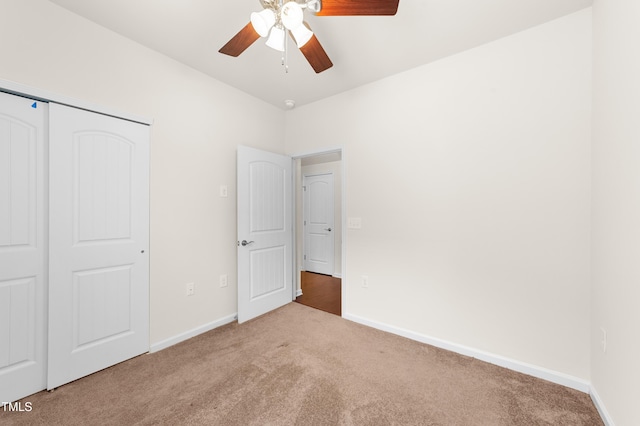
(192, 333)
(521, 367)
(299, 292)
(606, 418)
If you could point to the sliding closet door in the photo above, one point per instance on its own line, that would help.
(99, 240)
(22, 247)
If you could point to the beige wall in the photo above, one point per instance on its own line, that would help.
(471, 176)
(616, 208)
(198, 122)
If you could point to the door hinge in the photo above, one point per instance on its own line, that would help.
(305, 223)
(305, 257)
(304, 187)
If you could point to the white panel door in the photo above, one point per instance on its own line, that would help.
(99, 238)
(22, 247)
(318, 224)
(264, 232)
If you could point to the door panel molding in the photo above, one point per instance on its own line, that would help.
(265, 210)
(318, 223)
(99, 257)
(23, 242)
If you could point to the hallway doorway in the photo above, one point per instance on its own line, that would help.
(322, 288)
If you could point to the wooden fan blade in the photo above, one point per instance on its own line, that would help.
(240, 41)
(315, 54)
(358, 7)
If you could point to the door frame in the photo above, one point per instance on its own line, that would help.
(298, 213)
(19, 89)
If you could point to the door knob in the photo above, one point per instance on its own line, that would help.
(246, 243)
(327, 229)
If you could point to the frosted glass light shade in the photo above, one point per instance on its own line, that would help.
(263, 21)
(302, 35)
(291, 15)
(276, 39)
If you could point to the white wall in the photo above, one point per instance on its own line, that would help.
(197, 124)
(471, 176)
(616, 208)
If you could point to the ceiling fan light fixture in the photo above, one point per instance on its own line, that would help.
(263, 21)
(301, 35)
(276, 39)
(281, 16)
(291, 15)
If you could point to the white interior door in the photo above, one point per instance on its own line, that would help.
(99, 238)
(318, 223)
(264, 232)
(22, 247)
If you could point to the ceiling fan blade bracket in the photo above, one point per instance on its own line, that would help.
(314, 6)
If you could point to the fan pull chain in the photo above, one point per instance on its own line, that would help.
(286, 53)
(285, 56)
(284, 59)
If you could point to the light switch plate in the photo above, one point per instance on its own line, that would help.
(354, 223)
(191, 289)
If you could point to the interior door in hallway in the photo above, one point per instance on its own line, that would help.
(99, 240)
(265, 233)
(22, 247)
(318, 223)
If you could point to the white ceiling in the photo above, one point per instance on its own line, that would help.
(362, 49)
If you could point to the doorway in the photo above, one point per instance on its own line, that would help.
(319, 284)
(270, 276)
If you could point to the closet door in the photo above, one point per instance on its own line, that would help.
(22, 247)
(99, 237)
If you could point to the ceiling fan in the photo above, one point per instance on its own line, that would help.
(282, 16)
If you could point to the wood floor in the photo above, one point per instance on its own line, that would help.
(322, 292)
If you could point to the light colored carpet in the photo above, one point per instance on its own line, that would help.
(301, 366)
